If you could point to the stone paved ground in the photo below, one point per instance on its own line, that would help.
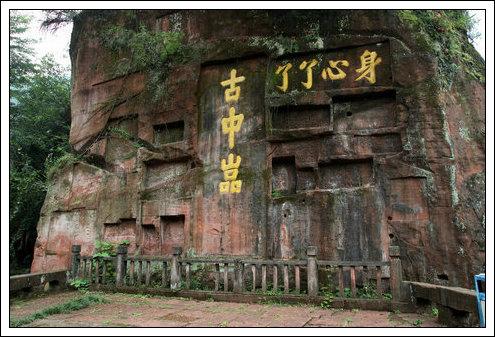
(126, 310)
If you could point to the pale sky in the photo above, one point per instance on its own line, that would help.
(57, 43)
(479, 42)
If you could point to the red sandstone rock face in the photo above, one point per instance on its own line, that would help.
(348, 165)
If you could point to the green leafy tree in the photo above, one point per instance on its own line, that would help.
(21, 53)
(55, 18)
(39, 121)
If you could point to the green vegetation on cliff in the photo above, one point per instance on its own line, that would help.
(153, 52)
(131, 43)
(446, 34)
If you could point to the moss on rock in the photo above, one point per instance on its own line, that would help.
(445, 34)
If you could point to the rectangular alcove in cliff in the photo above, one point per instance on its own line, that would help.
(284, 175)
(299, 121)
(164, 174)
(168, 132)
(364, 112)
(120, 231)
(127, 124)
(306, 178)
(345, 173)
(172, 232)
(151, 240)
(379, 144)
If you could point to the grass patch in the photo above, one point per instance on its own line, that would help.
(79, 284)
(347, 321)
(328, 297)
(72, 305)
(417, 323)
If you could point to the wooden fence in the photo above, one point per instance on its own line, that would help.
(238, 274)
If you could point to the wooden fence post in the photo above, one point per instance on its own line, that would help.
(238, 276)
(263, 277)
(174, 268)
(395, 273)
(312, 270)
(76, 256)
(217, 276)
(121, 264)
(164, 273)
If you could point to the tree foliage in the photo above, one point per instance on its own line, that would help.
(55, 18)
(39, 121)
(20, 52)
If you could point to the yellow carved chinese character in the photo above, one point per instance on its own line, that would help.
(285, 76)
(230, 186)
(309, 72)
(369, 60)
(328, 73)
(230, 170)
(224, 187)
(230, 167)
(231, 125)
(233, 92)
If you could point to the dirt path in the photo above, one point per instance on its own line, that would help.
(126, 310)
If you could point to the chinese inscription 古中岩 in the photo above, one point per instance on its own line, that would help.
(230, 126)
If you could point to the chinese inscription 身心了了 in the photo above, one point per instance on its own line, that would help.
(335, 71)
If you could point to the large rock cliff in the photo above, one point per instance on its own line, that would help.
(348, 130)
